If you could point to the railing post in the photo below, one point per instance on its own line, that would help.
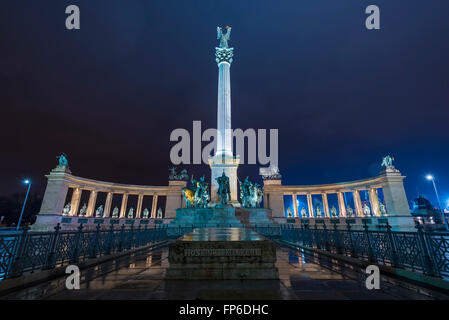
(109, 240)
(351, 241)
(121, 238)
(75, 252)
(337, 240)
(94, 243)
(427, 260)
(327, 244)
(16, 264)
(371, 256)
(51, 259)
(145, 234)
(316, 238)
(394, 254)
(138, 237)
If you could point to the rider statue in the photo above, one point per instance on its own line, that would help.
(224, 190)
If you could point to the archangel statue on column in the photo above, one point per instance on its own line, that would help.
(223, 37)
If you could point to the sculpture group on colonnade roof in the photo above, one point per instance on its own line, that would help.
(182, 176)
(198, 196)
(387, 161)
(270, 173)
(62, 160)
(250, 194)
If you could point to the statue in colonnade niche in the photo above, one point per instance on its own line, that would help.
(350, 212)
(115, 213)
(334, 212)
(159, 213)
(303, 212)
(383, 211)
(318, 211)
(99, 211)
(289, 212)
(366, 210)
(146, 213)
(250, 194)
(83, 210)
(131, 212)
(224, 190)
(66, 209)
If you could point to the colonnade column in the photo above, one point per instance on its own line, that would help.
(139, 206)
(295, 206)
(374, 201)
(124, 203)
(325, 205)
(75, 202)
(310, 206)
(357, 203)
(154, 207)
(91, 204)
(341, 205)
(107, 205)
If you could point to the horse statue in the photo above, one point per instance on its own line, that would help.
(198, 196)
(250, 194)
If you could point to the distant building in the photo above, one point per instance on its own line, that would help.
(426, 214)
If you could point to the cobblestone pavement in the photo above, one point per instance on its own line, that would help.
(142, 277)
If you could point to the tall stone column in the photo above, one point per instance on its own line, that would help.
(357, 203)
(91, 204)
(224, 160)
(75, 202)
(374, 201)
(341, 205)
(124, 204)
(325, 205)
(310, 205)
(154, 206)
(107, 205)
(295, 206)
(139, 206)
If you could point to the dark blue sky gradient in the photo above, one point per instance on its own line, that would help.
(110, 94)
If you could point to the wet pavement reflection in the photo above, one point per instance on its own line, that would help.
(141, 276)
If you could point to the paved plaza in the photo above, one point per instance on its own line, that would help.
(141, 277)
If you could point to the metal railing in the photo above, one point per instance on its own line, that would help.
(420, 251)
(26, 252)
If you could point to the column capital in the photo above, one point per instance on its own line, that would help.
(224, 55)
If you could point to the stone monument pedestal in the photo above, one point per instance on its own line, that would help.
(222, 254)
(206, 217)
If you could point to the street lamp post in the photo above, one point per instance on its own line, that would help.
(28, 182)
(431, 178)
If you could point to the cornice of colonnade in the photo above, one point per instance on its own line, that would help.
(348, 186)
(72, 181)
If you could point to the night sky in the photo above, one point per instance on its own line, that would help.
(109, 94)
